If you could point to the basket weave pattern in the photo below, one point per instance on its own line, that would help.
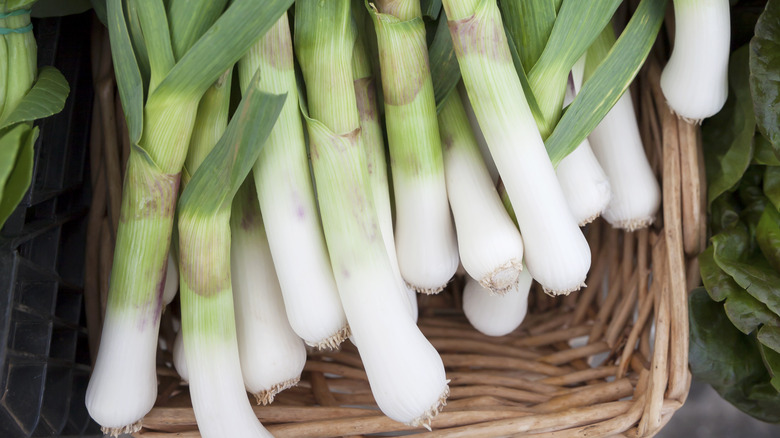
(609, 360)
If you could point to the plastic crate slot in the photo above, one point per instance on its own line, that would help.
(21, 397)
(36, 297)
(42, 249)
(55, 404)
(68, 307)
(63, 343)
(79, 423)
(30, 334)
(71, 267)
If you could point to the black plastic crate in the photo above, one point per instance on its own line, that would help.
(44, 354)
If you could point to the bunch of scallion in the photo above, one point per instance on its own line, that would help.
(503, 122)
(26, 94)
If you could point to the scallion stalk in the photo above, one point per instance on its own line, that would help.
(493, 314)
(556, 252)
(584, 183)
(424, 233)
(373, 143)
(576, 26)
(211, 351)
(404, 371)
(617, 145)
(123, 385)
(272, 355)
(18, 57)
(478, 135)
(490, 245)
(695, 81)
(286, 196)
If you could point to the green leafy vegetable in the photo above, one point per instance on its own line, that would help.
(769, 335)
(729, 360)
(772, 359)
(724, 213)
(768, 236)
(729, 134)
(764, 68)
(718, 284)
(744, 311)
(763, 152)
(752, 273)
(772, 185)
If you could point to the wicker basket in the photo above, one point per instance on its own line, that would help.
(610, 360)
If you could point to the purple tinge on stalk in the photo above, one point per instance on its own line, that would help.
(481, 36)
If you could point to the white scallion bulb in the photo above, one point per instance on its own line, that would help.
(584, 184)
(494, 314)
(490, 245)
(694, 80)
(272, 355)
(617, 145)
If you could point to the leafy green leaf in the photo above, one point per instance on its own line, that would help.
(769, 335)
(747, 313)
(763, 152)
(445, 71)
(729, 360)
(771, 357)
(19, 180)
(751, 196)
(719, 354)
(46, 97)
(219, 177)
(752, 273)
(765, 72)
(744, 311)
(772, 185)
(718, 284)
(728, 135)
(768, 236)
(128, 75)
(610, 80)
(724, 214)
